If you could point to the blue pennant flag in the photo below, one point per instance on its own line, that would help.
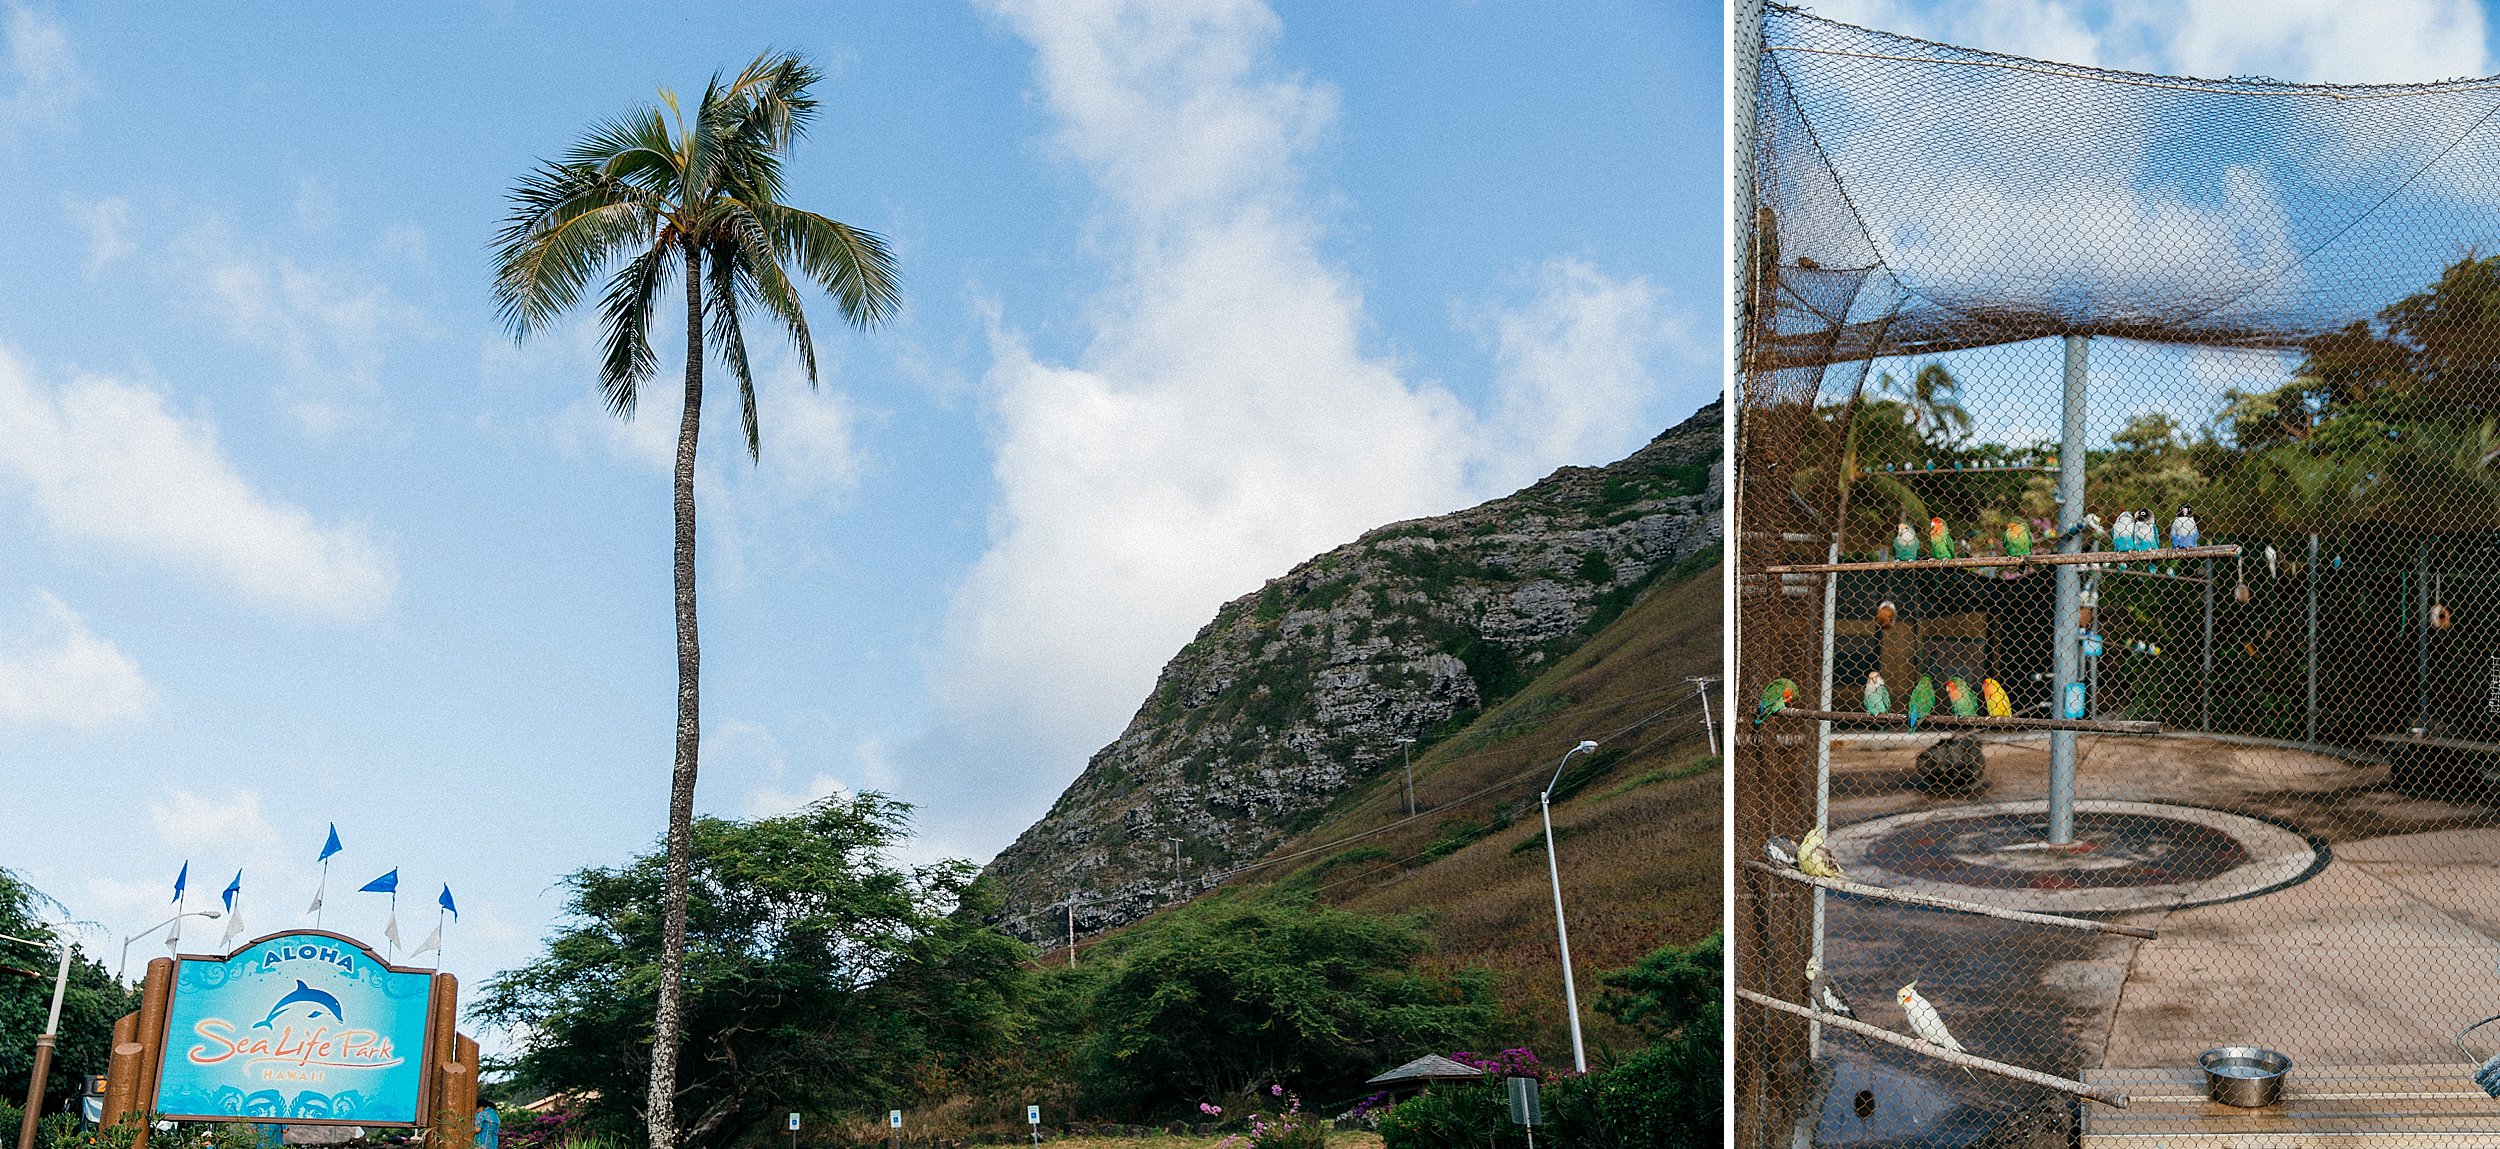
(386, 884)
(446, 902)
(330, 847)
(232, 888)
(180, 880)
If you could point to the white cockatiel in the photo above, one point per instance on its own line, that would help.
(1924, 1020)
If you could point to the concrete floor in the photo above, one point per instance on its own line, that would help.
(2378, 958)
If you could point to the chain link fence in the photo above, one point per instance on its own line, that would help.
(2119, 596)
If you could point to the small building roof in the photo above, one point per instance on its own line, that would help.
(1430, 1067)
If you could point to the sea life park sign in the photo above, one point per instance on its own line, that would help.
(306, 1028)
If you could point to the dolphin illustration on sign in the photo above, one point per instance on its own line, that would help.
(302, 995)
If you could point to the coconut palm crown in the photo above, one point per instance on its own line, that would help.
(657, 197)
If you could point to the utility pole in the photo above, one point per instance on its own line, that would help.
(43, 1042)
(1071, 931)
(1176, 865)
(1701, 685)
(1407, 746)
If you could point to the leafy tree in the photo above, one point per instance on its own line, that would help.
(93, 1002)
(818, 974)
(1211, 1001)
(655, 195)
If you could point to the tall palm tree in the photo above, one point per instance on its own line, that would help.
(658, 195)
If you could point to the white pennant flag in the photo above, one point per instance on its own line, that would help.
(433, 943)
(318, 891)
(391, 930)
(234, 928)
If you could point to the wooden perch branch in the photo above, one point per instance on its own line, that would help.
(2109, 1097)
(1978, 722)
(1931, 901)
(2043, 559)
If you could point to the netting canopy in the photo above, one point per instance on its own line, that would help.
(2119, 603)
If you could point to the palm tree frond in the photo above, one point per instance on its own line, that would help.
(566, 223)
(768, 285)
(722, 302)
(851, 265)
(625, 319)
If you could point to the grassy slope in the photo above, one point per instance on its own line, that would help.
(1639, 841)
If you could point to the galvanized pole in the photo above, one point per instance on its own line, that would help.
(1562, 933)
(2422, 634)
(2205, 685)
(1823, 769)
(2068, 655)
(2313, 640)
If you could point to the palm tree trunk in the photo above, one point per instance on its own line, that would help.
(662, 1100)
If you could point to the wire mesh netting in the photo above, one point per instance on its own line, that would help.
(2119, 579)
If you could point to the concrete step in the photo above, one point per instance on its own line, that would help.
(2323, 1107)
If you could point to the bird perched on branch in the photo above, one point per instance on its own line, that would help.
(1992, 692)
(1924, 1020)
(1904, 543)
(1878, 697)
(1885, 614)
(1939, 540)
(1959, 696)
(1814, 857)
(1830, 994)
(1781, 850)
(2122, 532)
(1922, 700)
(2017, 539)
(2183, 528)
(1776, 697)
(2147, 532)
(2089, 524)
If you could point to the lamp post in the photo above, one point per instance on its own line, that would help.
(121, 973)
(1406, 746)
(1562, 935)
(43, 1041)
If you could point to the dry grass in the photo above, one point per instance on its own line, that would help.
(1639, 845)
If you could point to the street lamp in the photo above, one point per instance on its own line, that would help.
(120, 974)
(1407, 746)
(1571, 993)
(43, 1041)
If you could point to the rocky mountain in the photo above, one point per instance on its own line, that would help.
(1301, 691)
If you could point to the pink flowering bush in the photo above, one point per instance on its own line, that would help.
(1517, 1062)
(1290, 1129)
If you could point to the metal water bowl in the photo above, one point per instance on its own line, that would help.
(2244, 1075)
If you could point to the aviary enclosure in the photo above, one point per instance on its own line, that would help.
(2119, 602)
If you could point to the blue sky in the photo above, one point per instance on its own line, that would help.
(290, 533)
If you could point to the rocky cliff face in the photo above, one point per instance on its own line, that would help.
(1300, 691)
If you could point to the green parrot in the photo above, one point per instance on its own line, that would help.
(1775, 698)
(1904, 543)
(1922, 700)
(1939, 540)
(2017, 539)
(1959, 696)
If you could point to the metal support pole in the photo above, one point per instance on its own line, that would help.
(1823, 770)
(2068, 654)
(2205, 685)
(2312, 737)
(1407, 745)
(2422, 634)
(1562, 934)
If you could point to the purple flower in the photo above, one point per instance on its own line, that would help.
(1276, 1090)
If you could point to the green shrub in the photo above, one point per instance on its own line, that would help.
(1452, 1116)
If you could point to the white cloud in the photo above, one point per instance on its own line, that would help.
(329, 327)
(42, 79)
(104, 461)
(1225, 419)
(107, 223)
(2302, 41)
(1575, 360)
(55, 672)
(185, 820)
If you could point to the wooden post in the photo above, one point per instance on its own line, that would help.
(444, 1066)
(455, 1097)
(155, 998)
(121, 1070)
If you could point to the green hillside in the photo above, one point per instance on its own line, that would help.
(1637, 823)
